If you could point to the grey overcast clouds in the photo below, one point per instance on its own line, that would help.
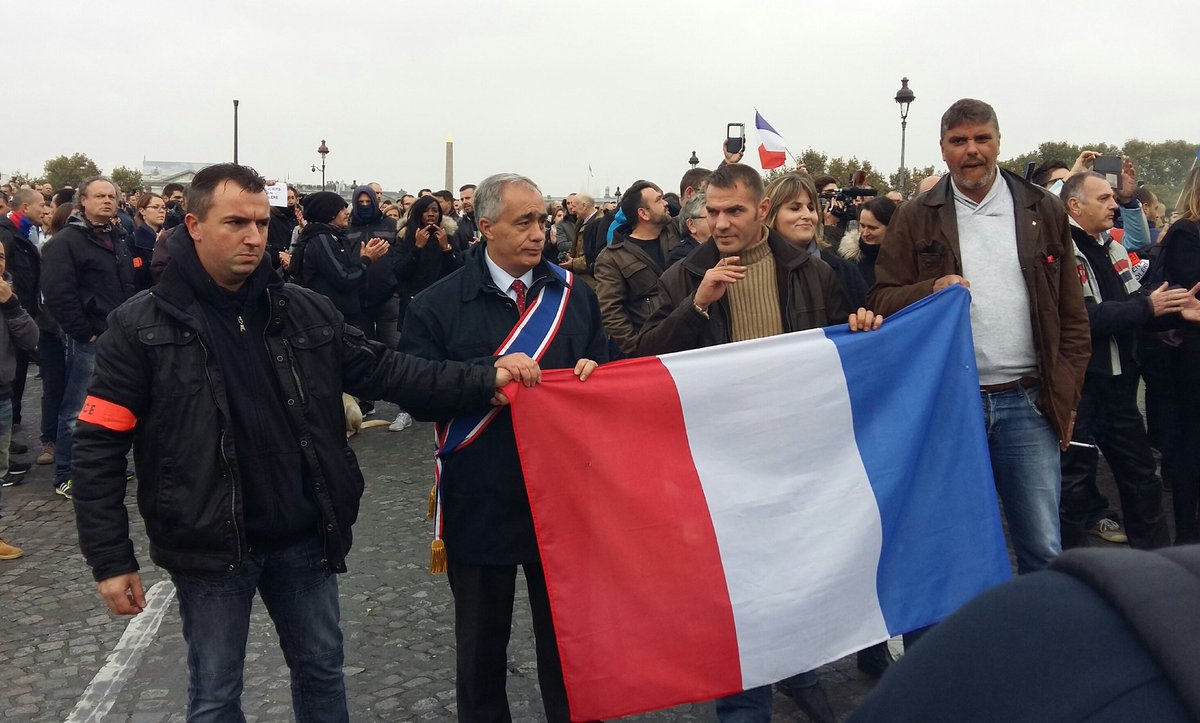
(549, 88)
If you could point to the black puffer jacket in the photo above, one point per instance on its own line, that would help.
(86, 273)
(332, 266)
(158, 387)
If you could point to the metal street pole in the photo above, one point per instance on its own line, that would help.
(235, 130)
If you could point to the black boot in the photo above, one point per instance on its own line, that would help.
(812, 700)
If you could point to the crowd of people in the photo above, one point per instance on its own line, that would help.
(227, 380)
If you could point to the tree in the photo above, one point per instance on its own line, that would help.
(907, 182)
(70, 170)
(127, 179)
(21, 178)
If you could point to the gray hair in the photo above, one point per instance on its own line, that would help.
(489, 203)
(87, 182)
(968, 110)
(1073, 186)
(692, 208)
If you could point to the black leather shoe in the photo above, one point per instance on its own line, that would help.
(874, 661)
(17, 448)
(812, 700)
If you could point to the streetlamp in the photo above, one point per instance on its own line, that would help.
(693, 161)
(322, 150)
(904, 97)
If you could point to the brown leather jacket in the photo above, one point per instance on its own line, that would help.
(922, 246)
(810, 297)
(626, 283)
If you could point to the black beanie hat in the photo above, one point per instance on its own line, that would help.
(322, 206)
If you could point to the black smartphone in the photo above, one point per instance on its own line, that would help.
(1110, 168)
(735, 137)
(1029, 166)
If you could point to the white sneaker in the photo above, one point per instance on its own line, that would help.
(403, 421)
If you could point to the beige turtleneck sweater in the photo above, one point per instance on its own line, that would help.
(754, 301)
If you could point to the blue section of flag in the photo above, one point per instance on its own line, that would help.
(918, 422)
(762, 124)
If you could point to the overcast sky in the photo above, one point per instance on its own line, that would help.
(549, 88)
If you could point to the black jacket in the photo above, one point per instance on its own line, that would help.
(381, 274)
(24, 264)
(465, 317)
(141, 252)
(419, 268)
(156, 369)
(279, 231)
(848, 274)
(810, 297)
(332, 266)
(86, 274)
(1118, 316)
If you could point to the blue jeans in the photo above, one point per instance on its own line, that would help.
(755, 705)
(301, 596)
(81, 360)
(52, 363)
(1026, 464)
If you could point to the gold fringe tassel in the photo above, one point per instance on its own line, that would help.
(432, 501)
(437, 558)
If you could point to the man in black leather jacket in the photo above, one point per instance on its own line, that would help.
(227, 383)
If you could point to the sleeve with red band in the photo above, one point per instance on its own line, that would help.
(103, 413)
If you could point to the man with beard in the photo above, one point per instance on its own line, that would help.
(1012, 241)
(327, 262)
(627, 271)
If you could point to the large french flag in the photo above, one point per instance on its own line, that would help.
(720, 519)
(772, 152)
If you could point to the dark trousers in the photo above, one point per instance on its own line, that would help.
(18, 384)
(1108, 417)
(483, 606)
(52, 362)
(1181, 461)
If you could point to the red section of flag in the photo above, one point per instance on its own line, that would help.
(771, 159)
(639, 606)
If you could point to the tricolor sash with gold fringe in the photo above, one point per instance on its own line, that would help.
(532, 335)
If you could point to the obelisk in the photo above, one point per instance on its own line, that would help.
(450, 163)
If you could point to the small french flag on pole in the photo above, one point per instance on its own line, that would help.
(771, 150)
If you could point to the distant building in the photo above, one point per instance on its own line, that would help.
(157, 174)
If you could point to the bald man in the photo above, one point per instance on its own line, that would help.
(928, 182)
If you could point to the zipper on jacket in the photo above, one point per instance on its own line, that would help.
(241, 324)
(225, 459)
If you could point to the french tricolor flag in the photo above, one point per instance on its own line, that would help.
(772, 152)
(724, 518)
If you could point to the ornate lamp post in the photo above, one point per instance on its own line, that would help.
(322, 150)
(904, 97)
(693, 161)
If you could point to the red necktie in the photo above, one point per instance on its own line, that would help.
(519, 287)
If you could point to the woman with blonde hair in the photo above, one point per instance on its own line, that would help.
(795, 214)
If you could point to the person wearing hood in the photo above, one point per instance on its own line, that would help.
(227, 383)
(380, 299)
(327, 262)
(86, 273)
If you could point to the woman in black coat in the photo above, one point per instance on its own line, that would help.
(426, 251)
(148, 222)
(1181, 454)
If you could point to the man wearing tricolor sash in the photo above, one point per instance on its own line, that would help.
(508, 308)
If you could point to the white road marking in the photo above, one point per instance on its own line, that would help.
(97, 700)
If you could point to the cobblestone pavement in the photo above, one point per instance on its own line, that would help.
(55, 633)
